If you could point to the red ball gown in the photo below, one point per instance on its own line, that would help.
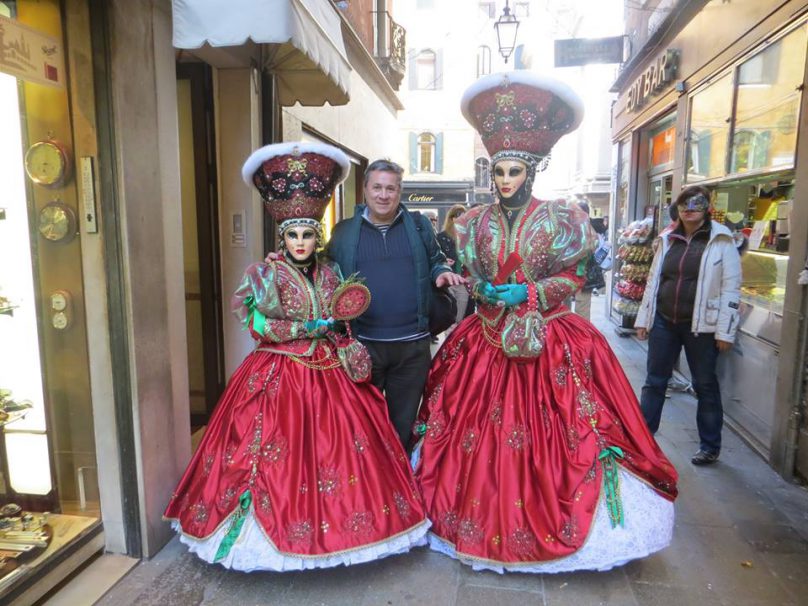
(535, 456)
(299, 467)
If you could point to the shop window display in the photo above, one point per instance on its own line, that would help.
(761, 211)
(634, 255)
(49, 498)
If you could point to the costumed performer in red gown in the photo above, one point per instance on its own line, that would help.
(299, 467)
(534, 456)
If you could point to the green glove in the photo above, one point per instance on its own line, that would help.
(511, 294)
(319, 326)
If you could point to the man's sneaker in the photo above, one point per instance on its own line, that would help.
(704, 458)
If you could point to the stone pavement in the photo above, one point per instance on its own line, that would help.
(741, 539)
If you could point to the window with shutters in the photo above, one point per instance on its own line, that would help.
(426, 70)
(487, 9)
(521, 8)
(483, 60)
(426, 152)
(482, 172)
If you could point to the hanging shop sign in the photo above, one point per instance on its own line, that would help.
(30, 55)
(659, 74)
(583, 51)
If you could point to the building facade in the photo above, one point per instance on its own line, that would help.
(713, 94)
(450, 45)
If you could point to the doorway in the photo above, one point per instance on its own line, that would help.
(201, 255)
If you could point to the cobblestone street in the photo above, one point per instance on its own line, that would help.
(741, 539)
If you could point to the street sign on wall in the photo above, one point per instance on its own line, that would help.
(583, 51)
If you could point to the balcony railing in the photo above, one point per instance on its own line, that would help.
(389, 47)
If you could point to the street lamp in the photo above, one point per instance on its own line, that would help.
(507, 25)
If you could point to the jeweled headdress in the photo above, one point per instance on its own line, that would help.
(521, 115)
(296, 180)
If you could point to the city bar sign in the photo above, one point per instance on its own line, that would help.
(655, 78)
(30, 55)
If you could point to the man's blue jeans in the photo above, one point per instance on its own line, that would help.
(665, 341)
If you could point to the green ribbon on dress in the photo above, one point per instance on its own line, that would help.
(580, 270)
(611, 483)
(236, 522)
(259, 319)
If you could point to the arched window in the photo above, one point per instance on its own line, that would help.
(426, 152)
(426, 70)
(482, 172)
(483, 60)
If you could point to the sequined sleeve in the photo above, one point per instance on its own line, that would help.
(554, 290)
(574, 237)
(257, 291)
(465, 243)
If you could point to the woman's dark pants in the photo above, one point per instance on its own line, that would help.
(665, 341)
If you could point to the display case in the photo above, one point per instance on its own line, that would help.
(764, 280)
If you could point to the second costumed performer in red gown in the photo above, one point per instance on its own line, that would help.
(299, 467)
(534, 456)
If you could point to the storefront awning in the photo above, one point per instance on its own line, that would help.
(301, 42)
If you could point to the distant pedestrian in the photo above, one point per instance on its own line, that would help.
(691, 301)
(594, 280)
(446, 240)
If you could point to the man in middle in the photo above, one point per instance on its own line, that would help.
(397, 255)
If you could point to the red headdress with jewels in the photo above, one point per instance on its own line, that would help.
(296, 180)
(521, 115)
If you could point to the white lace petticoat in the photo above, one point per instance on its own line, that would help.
(252, 551)
(648, 528)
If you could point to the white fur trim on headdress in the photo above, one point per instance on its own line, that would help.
(559, 88)
(261, 155)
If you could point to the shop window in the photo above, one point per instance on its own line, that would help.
(483, 60)
(426, 152)
(661, 145)
(623, 173)
(768, 104)
(710, 111)
(425, 70)
(482, 173)
(488, 9)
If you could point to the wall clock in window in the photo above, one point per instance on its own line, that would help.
(46, 163)
(57, 222)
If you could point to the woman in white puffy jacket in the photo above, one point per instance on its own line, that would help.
(691, 301)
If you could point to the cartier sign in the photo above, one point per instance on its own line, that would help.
(655, 78)
(433, 197)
